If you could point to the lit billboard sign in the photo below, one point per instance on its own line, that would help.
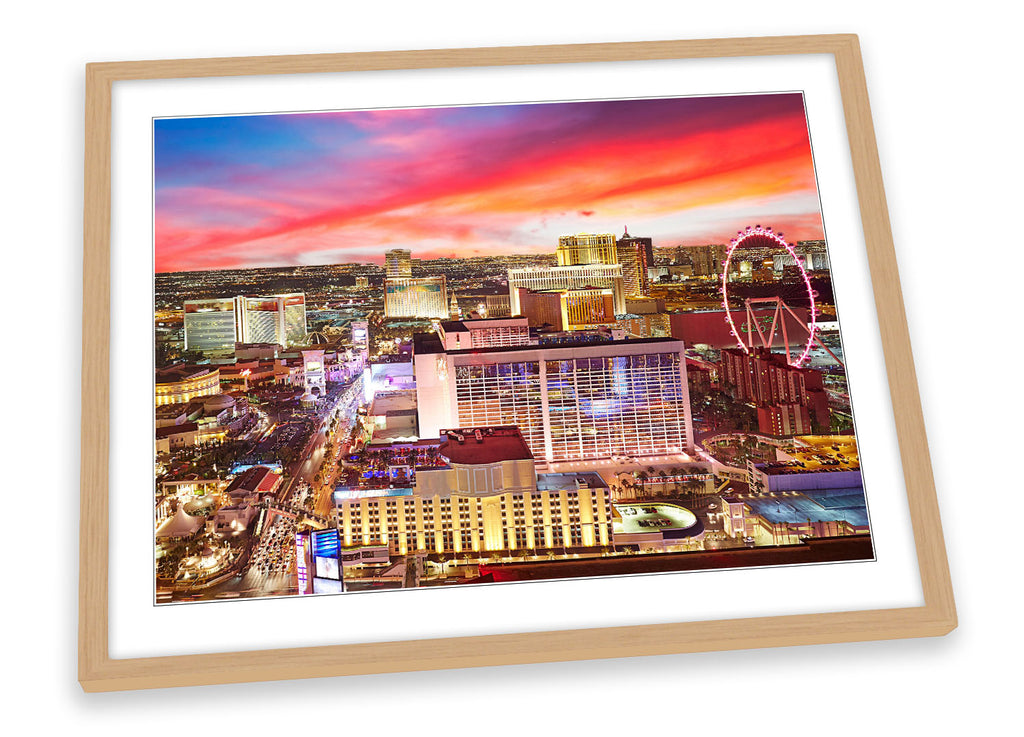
(328, 586)
(403, 288)
(301, 551)
(327, 568)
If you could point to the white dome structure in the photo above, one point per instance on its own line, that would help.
(216, 403)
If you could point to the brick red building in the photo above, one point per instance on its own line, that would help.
(769, 382)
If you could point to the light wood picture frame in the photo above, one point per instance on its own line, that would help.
(98, 671)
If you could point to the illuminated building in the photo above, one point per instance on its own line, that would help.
(635, 255)
(360, 335)
(767, 380)
(568, 309)
(487, 333)
(707, 260)
(784, 420)
(487, 498)
(645, 245)
(645, 325)
(215, 325)
(813, 261)
(254, 484)
(278, 318)
(313, 375)
(424, 297)
(184, 383)
(398, 264)
(570, 401)
(540, 279)
(212, 325)
(497, 305)
(176, 437)
(586, 248)
(362, 282)
(582, 309)
(813, 462)
(541, 308)
(786, 518)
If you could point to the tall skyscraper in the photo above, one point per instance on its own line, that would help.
(570, 401)
(586, 248)
(644, 244)
(707, 260)
(424, 297)
(539, 279)
(279, 318)
(633, 258)
(213, 325)
(398, 263)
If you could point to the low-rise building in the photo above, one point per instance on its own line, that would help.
(253, 485)
(487, 498)
(177, 384)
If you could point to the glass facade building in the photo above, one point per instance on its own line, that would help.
(215, 325)
(211, 325)
(570, 402)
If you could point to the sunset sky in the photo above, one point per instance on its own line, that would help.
(322, 188)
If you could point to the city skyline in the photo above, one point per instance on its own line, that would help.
(317, 188)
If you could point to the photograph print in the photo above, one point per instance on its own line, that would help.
(454, 346)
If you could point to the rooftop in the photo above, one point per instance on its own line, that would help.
(260, 479)
(816, 506)
(451, 326)
(395, 401)
(569, 481)
(473, 446)
(427, 343)
(173, 374)
(169, 430)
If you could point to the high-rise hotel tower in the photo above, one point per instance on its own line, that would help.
(542, 279)
(398, 263)
(569, 401)
(586, 248)
(215, 325)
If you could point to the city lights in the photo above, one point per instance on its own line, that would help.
(430, 376)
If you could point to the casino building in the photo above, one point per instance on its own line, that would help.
(540, 279)
(586, 248)
(487, 498)
(215, 325)
(571, 401)
(423, 297)
(184, 383)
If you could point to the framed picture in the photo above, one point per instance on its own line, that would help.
(434, 359)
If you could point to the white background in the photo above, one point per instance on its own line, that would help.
(947, 120)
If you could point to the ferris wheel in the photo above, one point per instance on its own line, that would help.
(763, 320)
